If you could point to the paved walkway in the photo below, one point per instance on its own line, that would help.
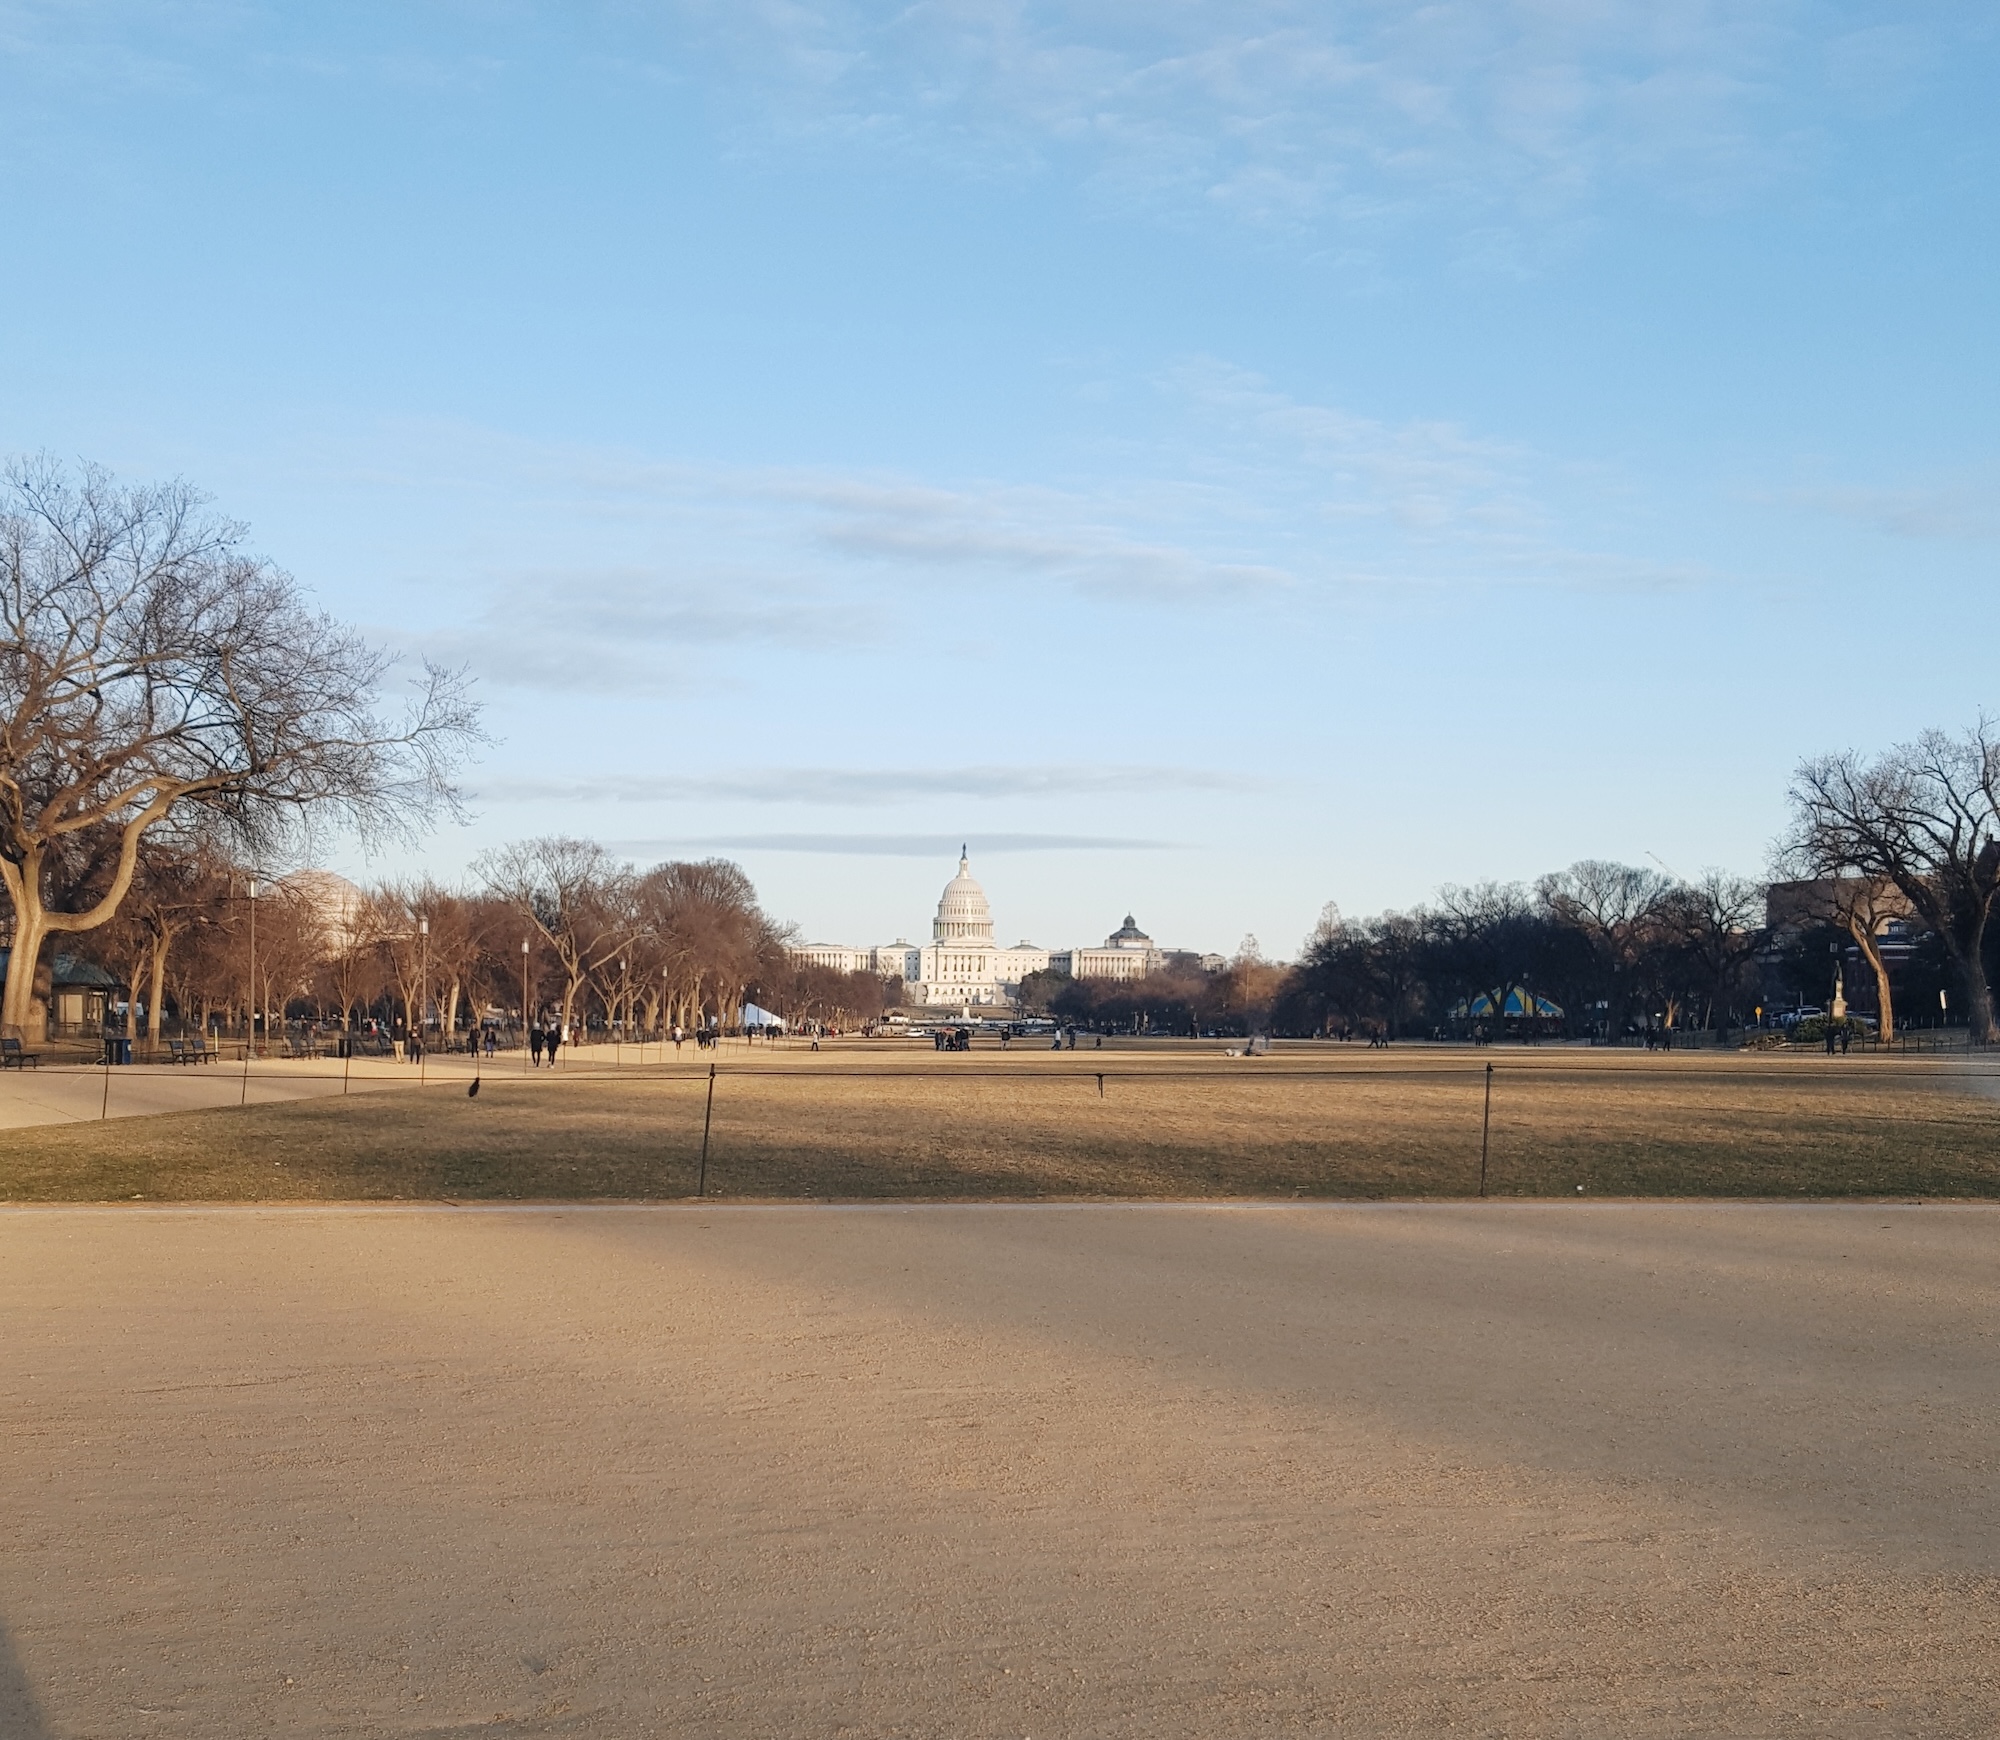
(70, 1093)
(1152, 1473)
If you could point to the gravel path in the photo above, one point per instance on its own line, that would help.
(1150, 1471)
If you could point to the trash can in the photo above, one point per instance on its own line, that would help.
(117, 1048)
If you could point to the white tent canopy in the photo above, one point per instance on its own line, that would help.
(756, 1017)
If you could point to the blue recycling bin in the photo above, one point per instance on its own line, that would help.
(117, 1048)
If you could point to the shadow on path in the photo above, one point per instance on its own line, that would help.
(20, 1715)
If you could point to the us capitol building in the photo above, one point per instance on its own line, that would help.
(963, 968)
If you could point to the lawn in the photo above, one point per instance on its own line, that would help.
(867, 1125)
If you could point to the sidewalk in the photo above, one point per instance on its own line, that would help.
(81, 1093)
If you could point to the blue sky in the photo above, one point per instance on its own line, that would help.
(1217, 459)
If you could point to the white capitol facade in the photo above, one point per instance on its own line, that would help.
(963, 968)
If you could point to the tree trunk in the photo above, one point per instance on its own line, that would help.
(1978, 1003)
(159, 989)
(20, 1014)
(1864, 939)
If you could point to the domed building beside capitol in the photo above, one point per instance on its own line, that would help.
(964, 967)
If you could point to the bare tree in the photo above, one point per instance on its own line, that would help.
(571, 892)
(1867, 907)
(1925, 818)
(174, 888)
(1616, 910)
(352, 968)
(705, 936)
(1715, 926)
(151, 671)
(1487, 938)
(1863, 906)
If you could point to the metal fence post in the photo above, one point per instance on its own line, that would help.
(708, 1114)
(1485, 1130)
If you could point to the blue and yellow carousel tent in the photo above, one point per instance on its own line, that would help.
(1519, 1003)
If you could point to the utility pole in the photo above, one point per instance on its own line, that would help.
(524, 1005)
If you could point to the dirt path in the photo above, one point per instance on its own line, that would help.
(1044, 1471)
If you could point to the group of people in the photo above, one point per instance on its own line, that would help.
(544, 1041)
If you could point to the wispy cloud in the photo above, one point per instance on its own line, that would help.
(889, 845)
(1421, 475)
(630, 631)
(1281, 114)
(1242, 499)
(1035, 533)
(872, 786)
(1964, 510)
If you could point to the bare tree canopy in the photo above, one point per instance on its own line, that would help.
(574, 894)
(153, 673)
(1925, 817)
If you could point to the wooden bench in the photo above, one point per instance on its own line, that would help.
(13, 1057)
(198, 1051)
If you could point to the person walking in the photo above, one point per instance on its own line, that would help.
(554, 1037)
(535, 1042)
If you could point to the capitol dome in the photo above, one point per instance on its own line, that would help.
(963, 917)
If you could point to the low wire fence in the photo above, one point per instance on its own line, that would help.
(633, 1121)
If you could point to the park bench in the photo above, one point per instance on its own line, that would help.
(198, 1051)
(177, 1051)
(12, 1056)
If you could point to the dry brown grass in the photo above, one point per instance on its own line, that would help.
(872, 1124)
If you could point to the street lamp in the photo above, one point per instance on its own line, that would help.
(251, 1038)
(423, 989)
(524, 1002)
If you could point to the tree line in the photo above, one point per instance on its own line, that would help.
(551, 928)
(174, 710)
(1886, 875)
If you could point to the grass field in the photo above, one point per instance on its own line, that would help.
(869, 1124)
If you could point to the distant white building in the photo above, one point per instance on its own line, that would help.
(963, 967)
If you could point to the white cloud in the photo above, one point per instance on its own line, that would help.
(1963, 510)
(1243, 499)
(1285, 113)
(1034, 533)
(888, 845)
(851, 786)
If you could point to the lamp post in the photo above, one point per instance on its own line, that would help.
(250, 1039)
(524, 1005)
(423, 992)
